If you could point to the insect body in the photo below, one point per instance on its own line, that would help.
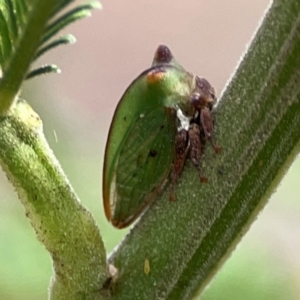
(164, 113)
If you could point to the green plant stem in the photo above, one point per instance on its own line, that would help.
(257, 126)
(62, 224)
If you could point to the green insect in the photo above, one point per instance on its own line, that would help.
(164, 113)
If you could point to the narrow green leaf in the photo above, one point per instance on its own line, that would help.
(21, 11)
(5, 39)
(43, 70)
(70, 17)
(12, 19)
(63, 40)
(1, 55)
(60, 5)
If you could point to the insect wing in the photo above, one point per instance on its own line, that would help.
(144, 163)
(139, 151)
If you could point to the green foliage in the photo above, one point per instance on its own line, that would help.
(27, 30)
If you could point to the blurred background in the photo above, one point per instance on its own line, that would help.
(114, 46)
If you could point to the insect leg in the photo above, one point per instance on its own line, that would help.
(208, 124)
(181, 146)
(195, 148)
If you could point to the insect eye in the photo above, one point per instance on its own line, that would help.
(197, 100)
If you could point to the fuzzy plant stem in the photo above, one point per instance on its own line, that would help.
(62, 224)
(177, 247)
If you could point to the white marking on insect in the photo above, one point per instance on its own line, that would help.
(184, 120)
(142, 116)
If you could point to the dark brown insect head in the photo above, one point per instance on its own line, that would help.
(203, 95)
